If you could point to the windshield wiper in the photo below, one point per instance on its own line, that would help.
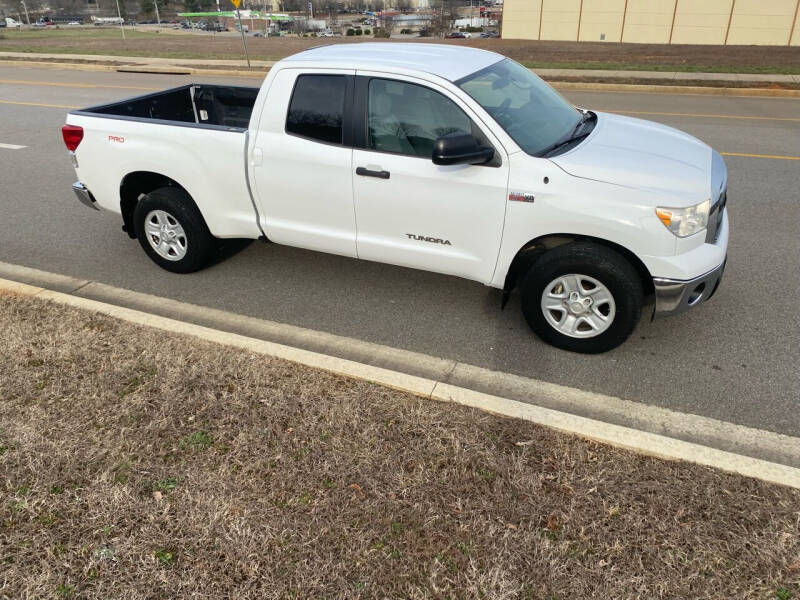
(572, 137)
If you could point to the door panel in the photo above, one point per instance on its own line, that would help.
(305, 185)
(411, 212)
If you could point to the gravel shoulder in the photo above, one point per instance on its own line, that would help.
(140, 464)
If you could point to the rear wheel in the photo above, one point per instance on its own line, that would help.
(582, 297)
(172, 231)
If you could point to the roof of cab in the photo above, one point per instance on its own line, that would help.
(448, 61)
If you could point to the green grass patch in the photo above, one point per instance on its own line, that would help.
(197, 441)
(165, 485)
(165, 556)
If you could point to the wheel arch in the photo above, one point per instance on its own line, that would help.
(131, 188)
(536, 247)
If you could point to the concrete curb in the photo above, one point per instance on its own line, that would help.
(624, 437)
(704, 431)
(159, 70)
(259, 72)
(675, 89)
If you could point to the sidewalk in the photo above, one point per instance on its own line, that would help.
(239, 67)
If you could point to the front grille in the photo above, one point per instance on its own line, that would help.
(715, 217)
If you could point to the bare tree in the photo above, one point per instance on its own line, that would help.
(329, 7)
(445, 12)
(292, 5)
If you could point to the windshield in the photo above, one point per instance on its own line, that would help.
(531, 112)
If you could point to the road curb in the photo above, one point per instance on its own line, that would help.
(704, 431)
(43, 64)
(260, 72)
(675, 89)
(624, 437)
(122, 68)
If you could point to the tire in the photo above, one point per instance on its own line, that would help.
(188, 245)
(599, 325)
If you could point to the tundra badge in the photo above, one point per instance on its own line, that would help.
(424, 238)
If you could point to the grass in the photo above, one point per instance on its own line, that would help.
(227, 474)
(96, 33)
(542, 55)
(122, 52)
(665, 68)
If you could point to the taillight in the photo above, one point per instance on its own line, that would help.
(72, 136)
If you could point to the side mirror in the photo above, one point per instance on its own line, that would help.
(460, 149)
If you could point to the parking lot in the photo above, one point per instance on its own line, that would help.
(735, 358)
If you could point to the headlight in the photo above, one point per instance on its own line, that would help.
(684, 222)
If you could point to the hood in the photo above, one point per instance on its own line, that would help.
(644, 155)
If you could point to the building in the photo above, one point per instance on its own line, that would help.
(735, 22)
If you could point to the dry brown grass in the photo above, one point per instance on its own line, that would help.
(542, 54)
(138, 464)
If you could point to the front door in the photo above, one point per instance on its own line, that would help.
(409, 211)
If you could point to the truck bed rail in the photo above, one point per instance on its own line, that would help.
(193, 105)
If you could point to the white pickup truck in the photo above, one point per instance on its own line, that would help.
(443, 158)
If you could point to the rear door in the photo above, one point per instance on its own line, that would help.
(302, 161)
(409, 211)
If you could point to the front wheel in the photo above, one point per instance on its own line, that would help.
(582, 297)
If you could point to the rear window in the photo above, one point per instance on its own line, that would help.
(316, 108)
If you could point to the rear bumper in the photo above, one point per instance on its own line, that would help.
(84, 195)
(674, 296)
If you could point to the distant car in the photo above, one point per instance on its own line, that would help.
(259, 34)
(489, 34)
(326, 33)
(73, 23)
(3, 23)
(455, 35)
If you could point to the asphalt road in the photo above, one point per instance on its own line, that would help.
(734, 358)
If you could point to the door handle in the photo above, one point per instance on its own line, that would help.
(364, 172)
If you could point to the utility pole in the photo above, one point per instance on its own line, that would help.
(121, 28)
(241, 29)
(27, 18)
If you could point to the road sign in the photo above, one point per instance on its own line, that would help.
(241, 29)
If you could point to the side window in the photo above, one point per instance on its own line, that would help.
(406, 118)
(316, 108)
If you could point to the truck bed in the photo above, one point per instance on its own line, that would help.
(199, 105)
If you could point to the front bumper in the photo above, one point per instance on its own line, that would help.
(674, 296)
(84, 195)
